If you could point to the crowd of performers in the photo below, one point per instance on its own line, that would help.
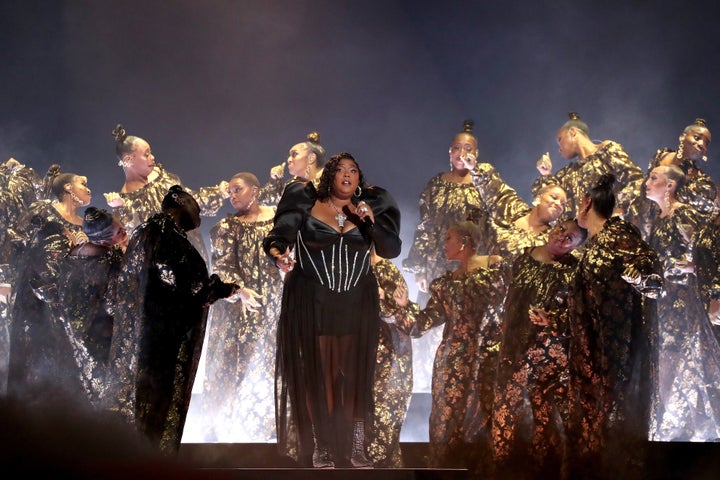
(565, 333)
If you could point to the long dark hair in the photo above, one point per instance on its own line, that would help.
(325, 184)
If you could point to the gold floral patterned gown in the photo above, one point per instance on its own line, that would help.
(442, 204)
(40, 352)
(610, 372)
(10, 211)
(469, 305)
(83, 293)
(393, 372)
(238, 390)
(706, 254)
(19, 186)
(698, 191)
(579, 175)
(505, 207)
(688, 354)
(530, 408)
(146, 201)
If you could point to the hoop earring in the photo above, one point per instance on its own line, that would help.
(358, 191)
(679, 153)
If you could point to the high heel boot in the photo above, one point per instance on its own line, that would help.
(358, 458)
(321, 453)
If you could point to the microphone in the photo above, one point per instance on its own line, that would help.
(367, 221)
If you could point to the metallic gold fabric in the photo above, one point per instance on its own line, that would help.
(238, 390)
(530, 407)
(579, 175)
(469, 306)
(698, 191)
(441, 205)
(688, 354)
(141, 204)
(393, 373)
(40, 353)
(83, 306)
(160, 310)
(610, 374)
(706, 255)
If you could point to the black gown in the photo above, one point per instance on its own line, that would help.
(331, 291)
(160, 305)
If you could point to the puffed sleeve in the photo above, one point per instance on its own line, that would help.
(296, 202)
(385, 232)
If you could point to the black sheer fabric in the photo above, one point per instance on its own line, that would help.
(329, 319)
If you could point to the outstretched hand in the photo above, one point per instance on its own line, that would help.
(114, 199)
(278, 171)
(250, 299)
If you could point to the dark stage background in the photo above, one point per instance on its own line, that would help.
(222, 86)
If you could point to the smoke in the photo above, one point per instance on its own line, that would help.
(221, 86)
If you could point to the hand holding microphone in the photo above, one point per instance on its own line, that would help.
(469, 161)
(544, 165)
(365, 213)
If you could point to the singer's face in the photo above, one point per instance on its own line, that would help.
(347, 178)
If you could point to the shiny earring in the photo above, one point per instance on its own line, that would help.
(667, 199)
(679, 153)
(358, 191)
(124, 163)
(74, 197)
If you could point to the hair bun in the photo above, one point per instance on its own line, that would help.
(176, 196)
(606, 180)
(313, 137)
(96, 221)
(119, 133)
(468, 126)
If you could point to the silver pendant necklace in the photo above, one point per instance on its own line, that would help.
(340, 217)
